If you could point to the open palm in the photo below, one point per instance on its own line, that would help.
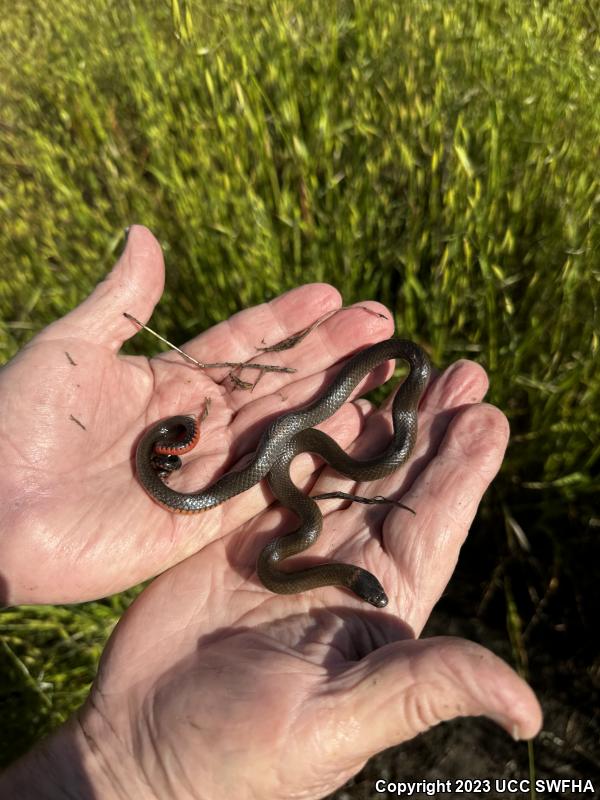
(214, 687)
(73, 410)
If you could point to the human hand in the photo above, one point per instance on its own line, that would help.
(76, 523)
(212, 687)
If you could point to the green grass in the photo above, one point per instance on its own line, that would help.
(442, 158)
(48, 658)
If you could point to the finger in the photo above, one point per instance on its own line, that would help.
(315, 373)
(134, 284)
(461, 384)
(445, 497)
(405, 688)
(464, 382)
(239, 338)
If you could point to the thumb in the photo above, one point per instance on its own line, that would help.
(134, 284)
(405, 688)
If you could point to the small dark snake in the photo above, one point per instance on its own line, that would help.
(290, 434)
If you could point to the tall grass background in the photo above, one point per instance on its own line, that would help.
(440, 157)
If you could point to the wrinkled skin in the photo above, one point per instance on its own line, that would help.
(211, 686)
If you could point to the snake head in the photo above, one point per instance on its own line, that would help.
(164, 465)
(368, 588)
(379, 599)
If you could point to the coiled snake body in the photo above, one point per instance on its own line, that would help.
(290, 434)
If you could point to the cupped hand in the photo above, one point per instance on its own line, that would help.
(213, 687)
(76, 524)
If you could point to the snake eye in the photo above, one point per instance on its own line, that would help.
(164, 465)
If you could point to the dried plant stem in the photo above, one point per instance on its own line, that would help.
(207, 364)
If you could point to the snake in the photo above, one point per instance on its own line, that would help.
(160, 447)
